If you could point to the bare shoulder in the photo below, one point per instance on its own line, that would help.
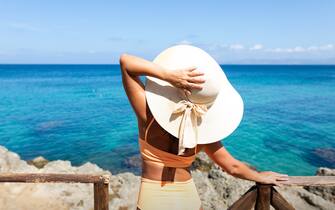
(134, 88)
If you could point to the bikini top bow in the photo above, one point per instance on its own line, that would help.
(188, 132)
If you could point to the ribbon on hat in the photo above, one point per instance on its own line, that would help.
(188, 132)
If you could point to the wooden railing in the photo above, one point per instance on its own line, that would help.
(262, 196)
(100, 182)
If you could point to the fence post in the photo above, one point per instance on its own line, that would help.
(101, 195)
(263, 197)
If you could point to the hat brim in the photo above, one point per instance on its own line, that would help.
(221, 119)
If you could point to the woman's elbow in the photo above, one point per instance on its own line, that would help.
(123, 59)
(234, 170)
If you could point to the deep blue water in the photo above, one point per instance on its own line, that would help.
(80, 113)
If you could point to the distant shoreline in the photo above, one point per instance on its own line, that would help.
(115, 64)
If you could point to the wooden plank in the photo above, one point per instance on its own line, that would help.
(309, 181)
(263, 197)
(279, 202)
(53, 177)
(247, 201)
(101, 196)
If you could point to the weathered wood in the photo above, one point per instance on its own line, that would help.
(101, 196)
(263, 197)
(309, 181)
(279, 202)
(267, 195)
(101, 183)
(53, 177)
(247, 201)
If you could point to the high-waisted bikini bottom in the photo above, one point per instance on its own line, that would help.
(167, 195)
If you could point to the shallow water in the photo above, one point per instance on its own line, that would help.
(80, 113)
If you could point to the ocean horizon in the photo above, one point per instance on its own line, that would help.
(80, 113)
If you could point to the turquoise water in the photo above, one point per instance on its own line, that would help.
(80, 113)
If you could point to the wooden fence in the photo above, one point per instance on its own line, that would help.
(100, 183)
(260, 196)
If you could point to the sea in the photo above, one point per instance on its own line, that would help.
(81, 113)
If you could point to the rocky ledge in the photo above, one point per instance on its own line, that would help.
(217, 189)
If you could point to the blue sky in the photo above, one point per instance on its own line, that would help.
(285, 31)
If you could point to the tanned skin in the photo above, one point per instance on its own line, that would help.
(132, 67)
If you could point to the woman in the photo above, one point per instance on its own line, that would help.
(166, 181)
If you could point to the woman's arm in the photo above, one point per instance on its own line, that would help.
(238, 169)
(132, 67)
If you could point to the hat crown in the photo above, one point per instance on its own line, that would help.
(186, 56)
(218, 119)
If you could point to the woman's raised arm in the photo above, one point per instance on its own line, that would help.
(132, 67)
(238, 169)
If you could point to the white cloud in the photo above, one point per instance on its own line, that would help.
(327, 47)
(321, 48)
(257, 47)
(184, 42)
(236, 47)
(222, 48)
(288, 50)
(24, 26)
(275, 50)
(313, 48)
(299, 49)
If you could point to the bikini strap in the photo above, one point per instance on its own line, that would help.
(147, 128)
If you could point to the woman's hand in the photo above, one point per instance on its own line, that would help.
(186, 79)
(269, 177)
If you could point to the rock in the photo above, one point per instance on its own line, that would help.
(48, 125)
(219, 190)
(302, 199)
(216, 188)
(325, 172)
(202, 162)
(39, 162)
(40, 196)
(324, 156)
(11, 162)
(124, 190)
(327, 193)
(134, 161)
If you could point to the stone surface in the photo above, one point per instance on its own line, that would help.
(134, 161)
(327, 193)
(217, 189)
(39, 162)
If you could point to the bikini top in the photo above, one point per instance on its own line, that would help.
(163, 158)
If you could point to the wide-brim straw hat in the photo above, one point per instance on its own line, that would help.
(207, 115)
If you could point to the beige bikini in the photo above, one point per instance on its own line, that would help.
(166, 195)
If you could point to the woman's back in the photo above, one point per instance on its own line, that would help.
(161, 139)
(159, 153)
